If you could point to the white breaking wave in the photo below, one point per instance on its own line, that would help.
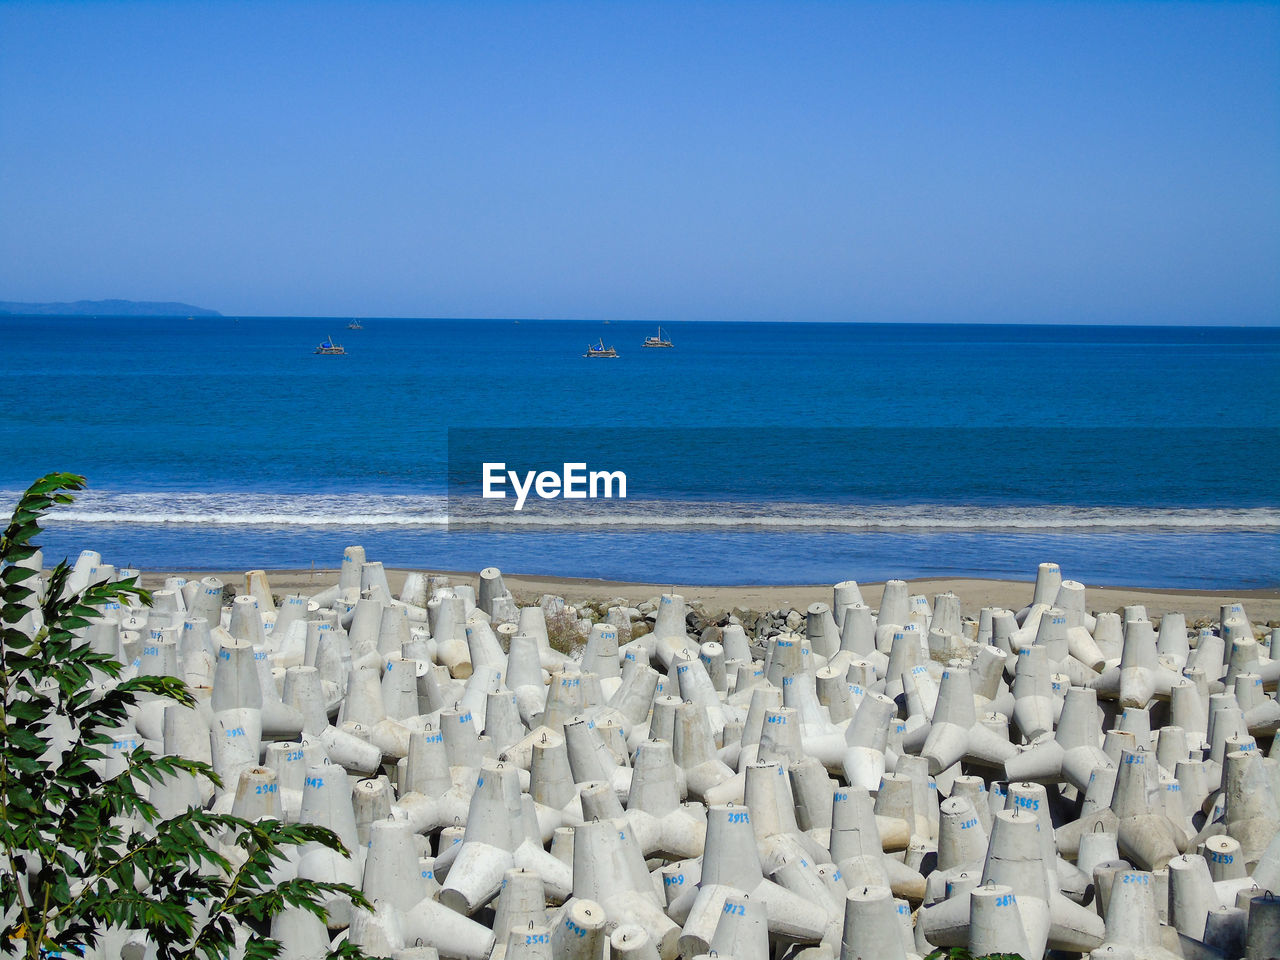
(255, 509)
(433, 511)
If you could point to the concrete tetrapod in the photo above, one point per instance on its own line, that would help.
(955, 733)
(1071, 752)
(1146, 835)
(654, 809)
(857, 849)
(743, 929)
(392, 876)
(731, 864)
(608, 869)
(1133, 925)
(872, 927)
(485, 855)
(1015, 858)
(521, 902)
(326, 802)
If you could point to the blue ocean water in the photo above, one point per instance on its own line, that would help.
(760, 453)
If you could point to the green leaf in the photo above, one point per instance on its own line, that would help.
(74, 833)
(16, 574)
(57, 481)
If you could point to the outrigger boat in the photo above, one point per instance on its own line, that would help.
(355, 325)
(600, 350)
(330, 349)
(657, 341)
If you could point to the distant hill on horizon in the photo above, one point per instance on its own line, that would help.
(105, 308)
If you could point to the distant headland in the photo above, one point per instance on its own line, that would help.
(105, 308)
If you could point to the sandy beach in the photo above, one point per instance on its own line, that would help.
(1263, 606)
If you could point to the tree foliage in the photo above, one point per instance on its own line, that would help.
(81, 851)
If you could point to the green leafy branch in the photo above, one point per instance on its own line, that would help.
(84, 851)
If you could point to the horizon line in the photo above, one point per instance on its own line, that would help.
(337, 318)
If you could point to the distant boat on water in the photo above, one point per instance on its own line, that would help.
(658, 341)
(355, 325)
(600, 350)
(330, 349)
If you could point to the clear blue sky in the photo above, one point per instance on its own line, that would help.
(1051, 162)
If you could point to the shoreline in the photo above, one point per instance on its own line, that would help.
(1262, 605)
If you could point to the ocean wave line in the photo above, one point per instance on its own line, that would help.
(433, 512)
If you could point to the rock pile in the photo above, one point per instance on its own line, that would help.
(834, 782)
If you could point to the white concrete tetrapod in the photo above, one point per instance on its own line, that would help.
(608, 868)
(475, 873)
(731, 864)
(955, 733)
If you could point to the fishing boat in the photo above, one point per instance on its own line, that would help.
(330, 349)
(657, 341)
(355, 325)
(600, 350)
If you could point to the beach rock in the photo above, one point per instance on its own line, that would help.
(698, 621)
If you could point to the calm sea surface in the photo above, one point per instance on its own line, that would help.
(757, 453)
